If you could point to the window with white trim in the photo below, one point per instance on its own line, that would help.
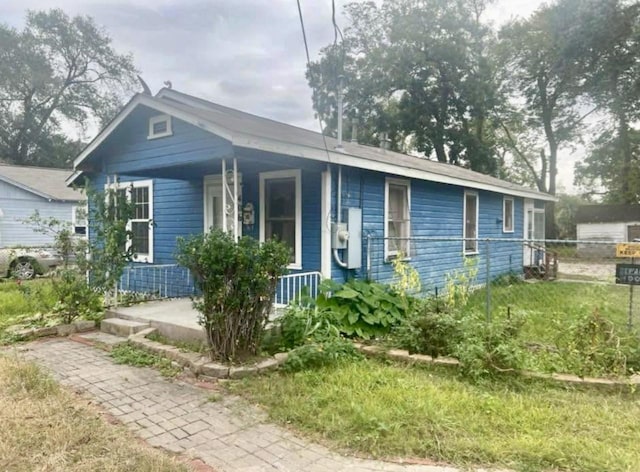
(159, 127)
(281, 211)
(79, 219)
(397, 215)
(140, 194)
(507, 215)
(470, 228)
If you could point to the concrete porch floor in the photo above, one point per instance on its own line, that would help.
(175, 319)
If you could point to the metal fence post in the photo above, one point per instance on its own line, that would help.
(488, 278)
(630, 320)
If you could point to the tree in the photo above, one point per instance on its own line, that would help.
(607, 173)
(566, 210)
(417, 72)
(544, 66)
(610, 33)
(58, 70)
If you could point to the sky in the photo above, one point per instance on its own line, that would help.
(245, 54)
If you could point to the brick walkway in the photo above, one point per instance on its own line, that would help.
(227, 434)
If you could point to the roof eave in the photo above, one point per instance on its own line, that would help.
(26, 188)
(347, 159)
(282, 147)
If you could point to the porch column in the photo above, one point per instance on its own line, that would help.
(224, 195)
(325, 224)
(235, 199)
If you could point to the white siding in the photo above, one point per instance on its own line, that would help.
(17, 205)
(614, 232)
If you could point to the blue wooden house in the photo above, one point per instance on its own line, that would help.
(345, 209)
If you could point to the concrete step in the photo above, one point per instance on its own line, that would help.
(121, 327)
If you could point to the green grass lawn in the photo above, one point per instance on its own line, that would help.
(25, 299)
(548, 306)
(387, 410)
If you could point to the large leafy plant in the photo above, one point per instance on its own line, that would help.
(361, 308)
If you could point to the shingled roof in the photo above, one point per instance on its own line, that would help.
(251, 131)
(45, 182)
(607, 213)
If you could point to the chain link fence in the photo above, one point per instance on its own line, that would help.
(552, 278)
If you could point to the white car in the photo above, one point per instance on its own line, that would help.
(26, 263)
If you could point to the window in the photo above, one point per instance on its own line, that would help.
(281, 211)
(159, 127)
(79, 219)
(470, 230)
(507, 215)
(397, 213)
(140, 194)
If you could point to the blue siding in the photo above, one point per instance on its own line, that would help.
(128, 150)
(17, 205)
(436, 212)
(179, 162)
(177, 211)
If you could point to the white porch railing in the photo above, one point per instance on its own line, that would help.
(157, 280)
(172, 281)
(291, 286)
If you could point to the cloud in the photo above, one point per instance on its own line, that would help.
(246, 54)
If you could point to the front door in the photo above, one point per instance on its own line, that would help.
(214, 212)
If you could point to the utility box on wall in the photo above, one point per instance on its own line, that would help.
(354, 248)
(339, 235)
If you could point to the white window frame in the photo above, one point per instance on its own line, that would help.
(505, 228)
(74, 219)
(464, 223)
(388, 253)
(284, 174)
(145, 257)
(159, 119)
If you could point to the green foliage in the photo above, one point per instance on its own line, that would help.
(56, 70)
(301, 324)
(419, 72)
(74, 297)
(184, 346)
(566, 209)
(406, 277)
(71, 249)
(313, 355)
(485, 348)
(591, 346)
(429, 330)
(109, 248)
(237, 282)
(312, 338)
(361, 308)
(460, 283)
(130, 355)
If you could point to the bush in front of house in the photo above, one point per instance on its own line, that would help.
(238, 283)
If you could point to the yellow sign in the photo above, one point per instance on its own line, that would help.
(628, 250)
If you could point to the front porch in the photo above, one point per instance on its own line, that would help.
(175, 319)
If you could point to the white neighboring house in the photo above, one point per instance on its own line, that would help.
(23, 190)
(611, 223)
